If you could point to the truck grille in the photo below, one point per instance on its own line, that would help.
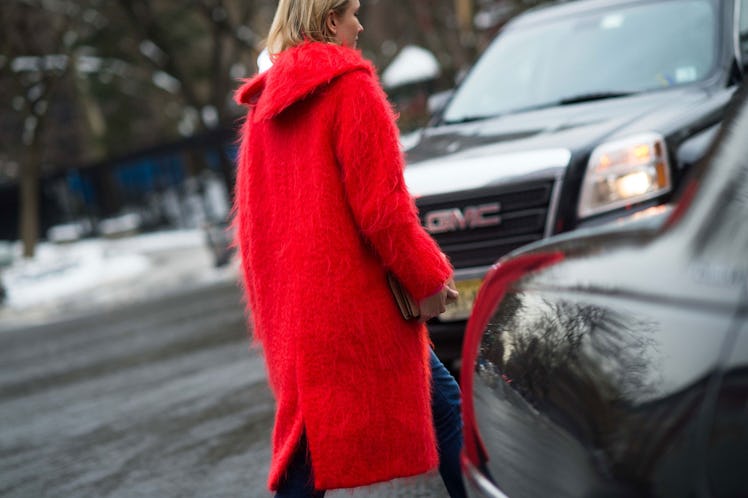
(522, 213)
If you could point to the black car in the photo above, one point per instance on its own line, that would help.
(576, 115)
(613, 362)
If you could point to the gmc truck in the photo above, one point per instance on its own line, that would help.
(577, 114)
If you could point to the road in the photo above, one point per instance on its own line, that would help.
(162, 398)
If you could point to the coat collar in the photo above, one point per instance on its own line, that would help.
(297, 73)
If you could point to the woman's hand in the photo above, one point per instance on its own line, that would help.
(436, 304)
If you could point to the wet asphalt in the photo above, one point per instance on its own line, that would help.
(162, 398)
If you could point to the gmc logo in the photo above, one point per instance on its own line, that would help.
(453, 220)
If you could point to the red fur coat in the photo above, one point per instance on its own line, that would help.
(322, 212)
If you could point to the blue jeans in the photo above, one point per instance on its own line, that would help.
(445, 405)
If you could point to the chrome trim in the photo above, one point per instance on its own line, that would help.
(479, 481)
(456, 219)
(453, 174)
(550, 218)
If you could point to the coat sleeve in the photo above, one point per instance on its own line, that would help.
(368, 152)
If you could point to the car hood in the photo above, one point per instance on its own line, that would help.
(524, 145)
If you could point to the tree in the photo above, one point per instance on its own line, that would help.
(37, 43)
(201, 48)
(115, 79)
(93, 79)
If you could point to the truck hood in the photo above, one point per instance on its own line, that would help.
(526, 145)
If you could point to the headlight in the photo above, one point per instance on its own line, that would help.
(624, 172)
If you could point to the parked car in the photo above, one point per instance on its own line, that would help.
(577, 114)
(613, 361)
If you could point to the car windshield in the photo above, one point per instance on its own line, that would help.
(592, 56)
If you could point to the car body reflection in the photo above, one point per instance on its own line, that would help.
(614, 361)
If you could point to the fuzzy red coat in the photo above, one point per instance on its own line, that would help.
(322, 212)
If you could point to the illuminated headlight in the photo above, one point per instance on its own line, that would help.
(625, 172)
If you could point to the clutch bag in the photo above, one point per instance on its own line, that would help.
(405, 302)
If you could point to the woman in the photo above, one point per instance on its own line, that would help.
(322, 214)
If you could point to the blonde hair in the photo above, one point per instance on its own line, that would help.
(297, 21)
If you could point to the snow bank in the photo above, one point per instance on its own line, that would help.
(92, 273)
(411, 65)
(59, 271)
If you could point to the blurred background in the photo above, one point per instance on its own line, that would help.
(117, 116)
(124, 368)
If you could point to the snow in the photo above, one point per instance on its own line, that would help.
(263, 61)
(411, 65)
(57, 272)
(94, 273)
